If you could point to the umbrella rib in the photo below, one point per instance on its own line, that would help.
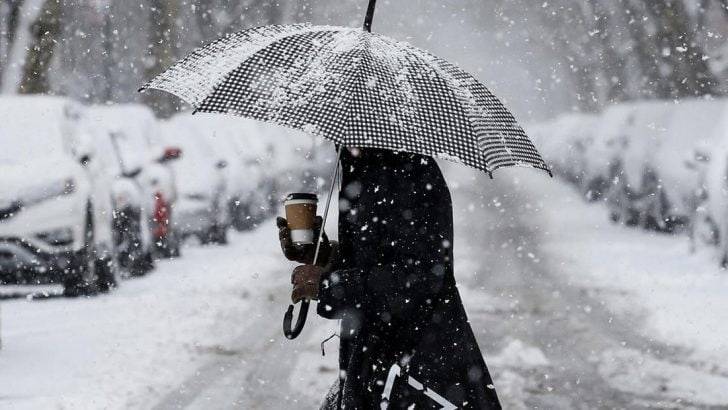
(198, 104)
(261, 49)
(432, 61)
(351, 83)
(158, 81)
(508, 150)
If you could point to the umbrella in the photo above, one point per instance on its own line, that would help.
(355, 88)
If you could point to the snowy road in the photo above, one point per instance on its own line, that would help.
(562, 347)
(257, 374)
(204, 331)
(549, 343)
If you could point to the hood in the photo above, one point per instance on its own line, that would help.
(17, 178)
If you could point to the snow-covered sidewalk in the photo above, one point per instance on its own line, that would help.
(125, 349)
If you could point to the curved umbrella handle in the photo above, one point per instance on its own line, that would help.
(300, 322)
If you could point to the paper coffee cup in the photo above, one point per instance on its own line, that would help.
(301, 215)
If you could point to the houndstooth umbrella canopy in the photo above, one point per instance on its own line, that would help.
(354, 88)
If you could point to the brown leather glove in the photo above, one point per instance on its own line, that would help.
(305, 280)
(303, 253)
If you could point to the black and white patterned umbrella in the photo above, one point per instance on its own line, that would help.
(354, 88)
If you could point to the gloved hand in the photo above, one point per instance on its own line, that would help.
(303, 253)
(305, 280)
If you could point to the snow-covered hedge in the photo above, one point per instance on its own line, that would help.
(659, 165)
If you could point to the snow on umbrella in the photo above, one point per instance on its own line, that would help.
(355, 88)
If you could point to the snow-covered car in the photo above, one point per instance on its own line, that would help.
(201, 208)
(274, 161)
(55, 199)
(240, 143)
(564, 142)
(144, 187)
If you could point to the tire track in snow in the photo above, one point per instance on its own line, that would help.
(254, 372)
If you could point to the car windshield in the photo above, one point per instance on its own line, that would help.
(195, 169)
(127, 147)
(25, 137)
(32, 143)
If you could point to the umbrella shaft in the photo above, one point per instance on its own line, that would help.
(370, 16)
(328, 203)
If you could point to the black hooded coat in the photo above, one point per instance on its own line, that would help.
(405, 337)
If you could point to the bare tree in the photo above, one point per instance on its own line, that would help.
(44, 32)
(162, 51)
(611, 60)
(615, 50)
(688, 73)
(9, 20)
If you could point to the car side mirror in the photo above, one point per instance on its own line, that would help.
(701, 156)
(84, 159)
(171, 154)
(84, 149)
(222, 164)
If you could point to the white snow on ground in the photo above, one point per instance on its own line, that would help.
(512, 385)
(327, 367)
(519, 354)
(130, 347)
(630, 370)
(134, 346)
(682, 296)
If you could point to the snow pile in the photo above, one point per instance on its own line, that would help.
(519, 354)
(658, 165)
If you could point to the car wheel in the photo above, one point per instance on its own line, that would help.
(168, 247)
(218, 235)
(174, 247)
(128, 231)
(222, 237)
(142, 265)
(237, 210)
(107, 274)
(80, 277)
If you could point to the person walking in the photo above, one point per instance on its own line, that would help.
(404, 335)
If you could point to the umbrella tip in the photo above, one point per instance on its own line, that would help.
(490, 174)
(141, 89)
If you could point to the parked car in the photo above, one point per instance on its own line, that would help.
(55, 198)
(238, 142)
(202, 207)
(144, 188)
(662, 159)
